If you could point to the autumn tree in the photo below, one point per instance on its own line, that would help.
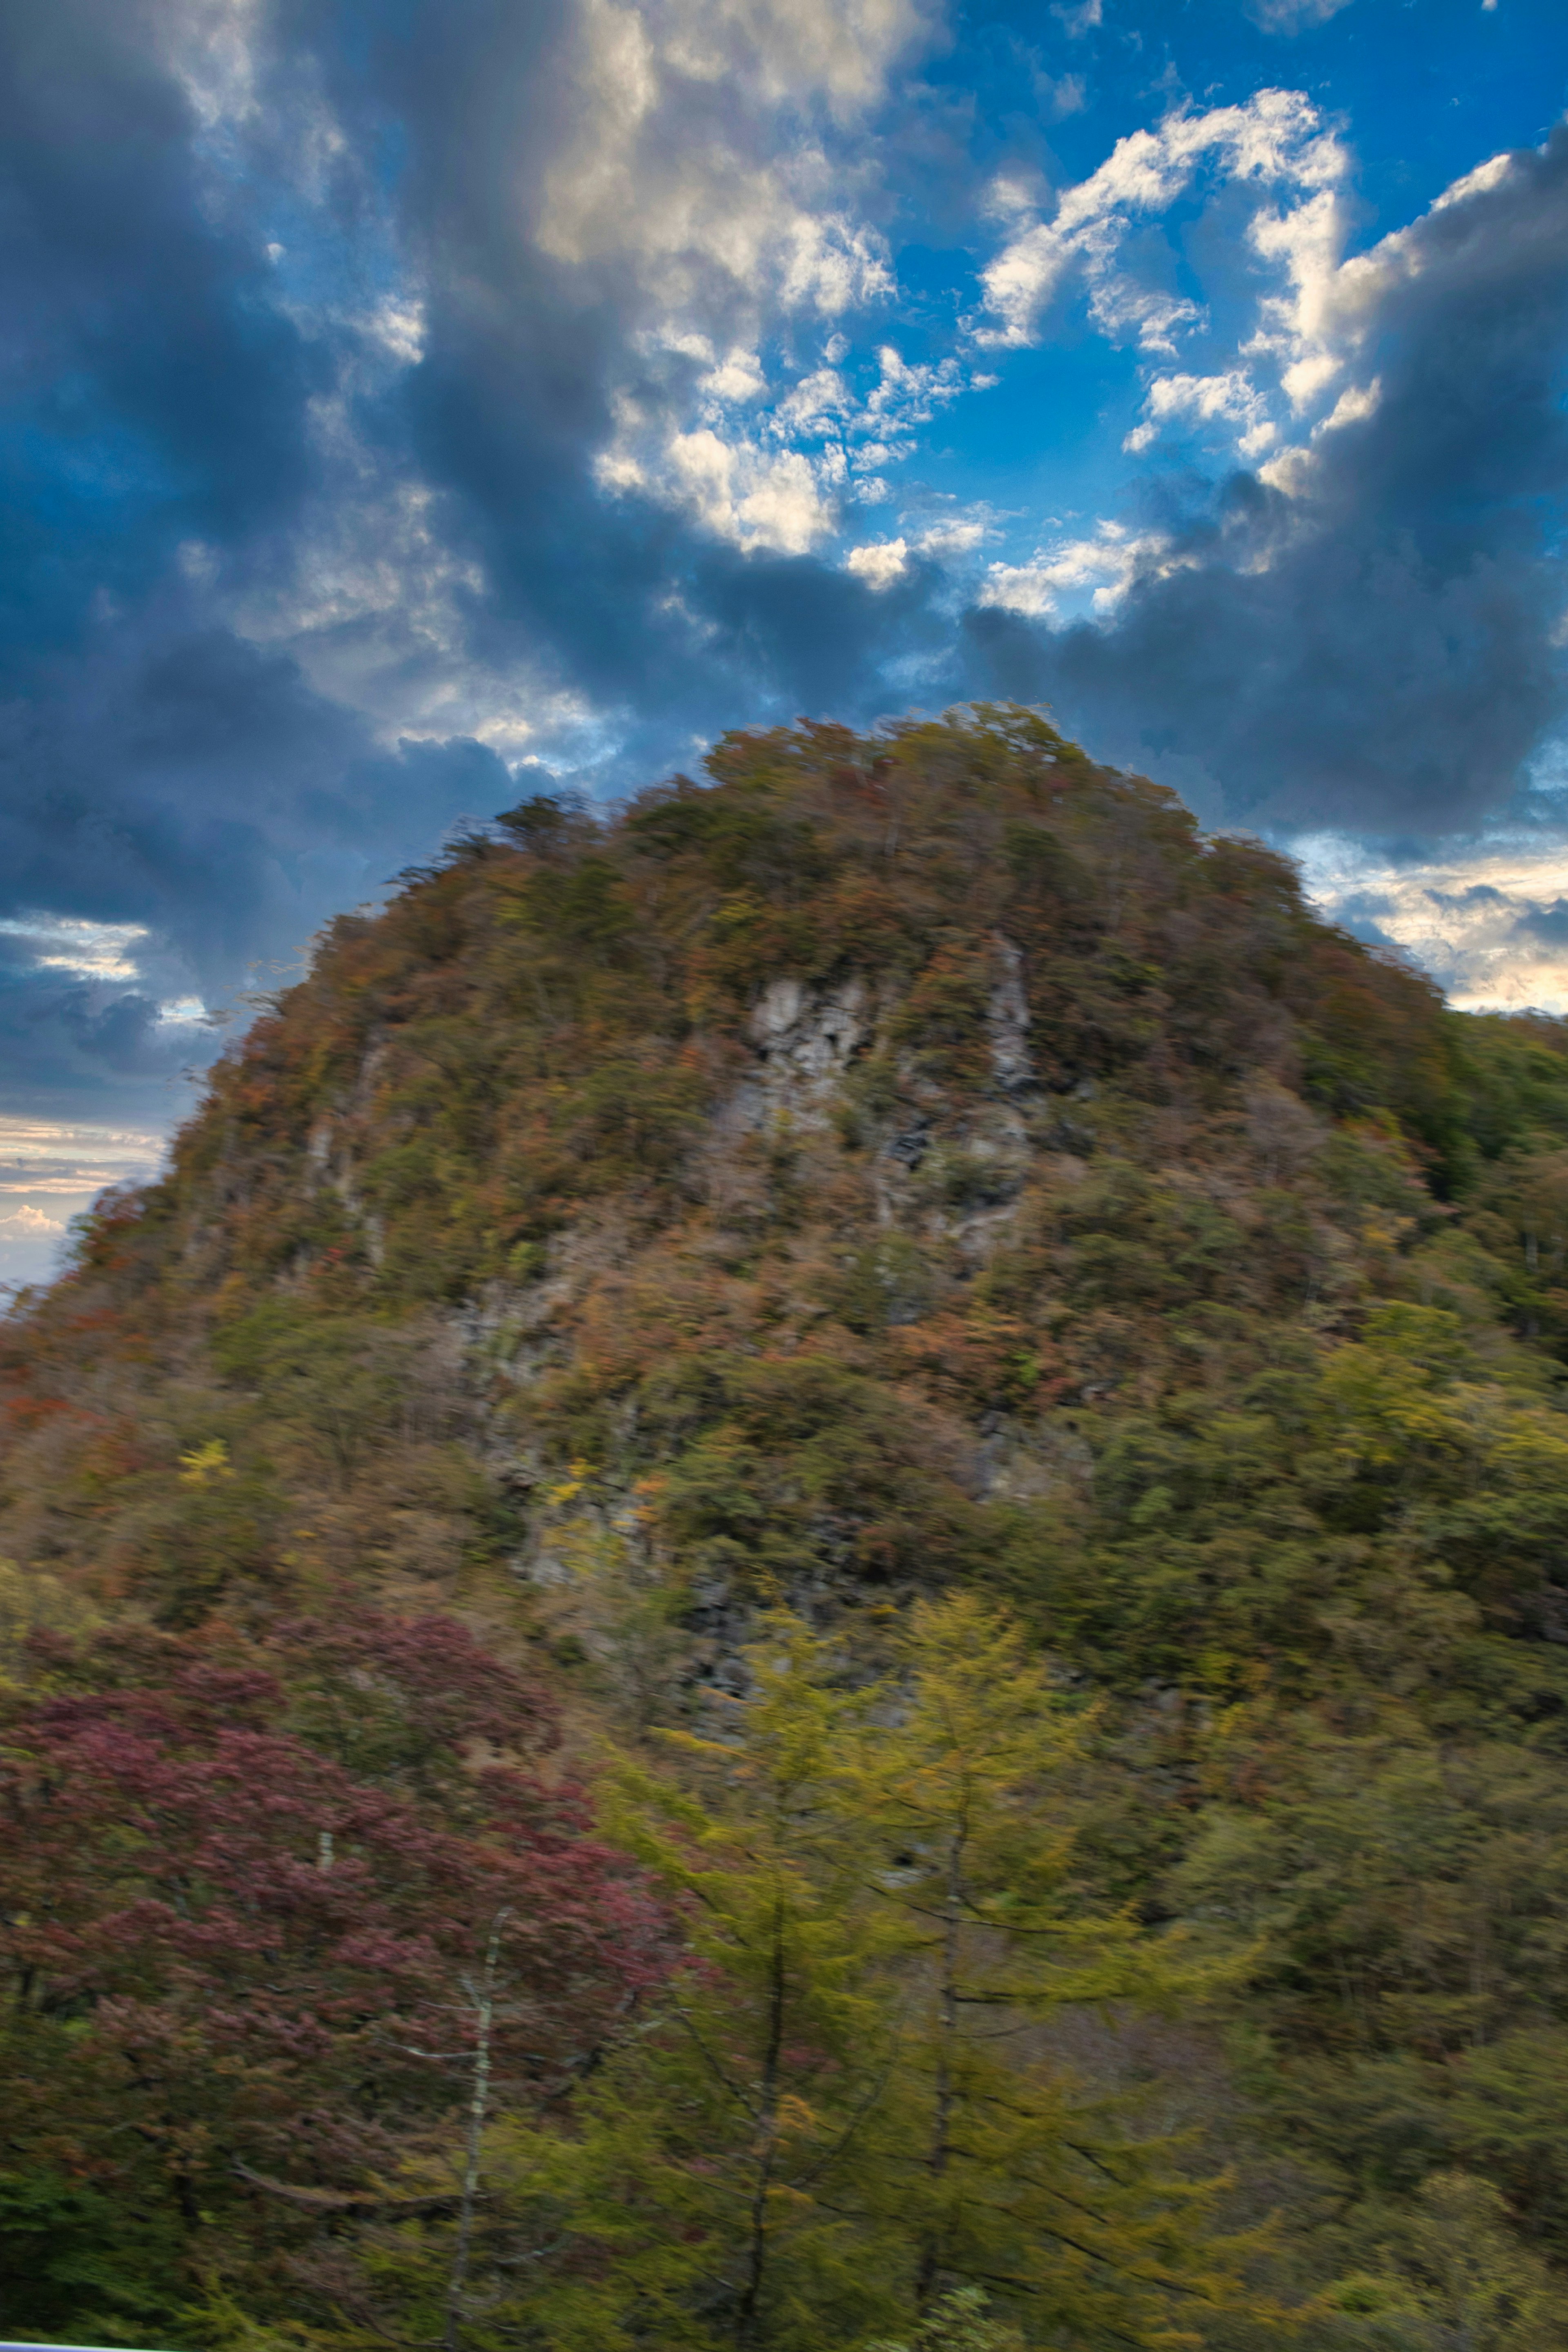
(713, 2193)
(234, 1962)
(847, 2107)
(1007, 2173)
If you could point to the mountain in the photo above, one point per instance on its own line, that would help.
(899, 1167)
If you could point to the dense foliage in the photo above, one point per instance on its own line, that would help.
(905, 1166)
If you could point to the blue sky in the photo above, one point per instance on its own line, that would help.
(405, 406)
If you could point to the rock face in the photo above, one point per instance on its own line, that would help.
(808, 1037)
(803, 1040)
(910, 1238)
(1007, 1020)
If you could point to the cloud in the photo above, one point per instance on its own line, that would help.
(403, 399)
(599, 214)
(1490, 921)
(30, 1224)
(774, 466)
(711, 220)
(1276, 138)
(1098, 571)
(31, 1243)
(1204, 399)
(42, 1156)
(1547, 924)
(73, 943)
(174, 809)
(1290, 16)
(1367, 632)
(880, 564)
(1060, 95)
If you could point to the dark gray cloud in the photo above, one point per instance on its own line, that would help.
(180, 781)
(192, 270)
(1478, 894)
(1546, 924)
(1365, 913)
(152, 388)
(1384, 650)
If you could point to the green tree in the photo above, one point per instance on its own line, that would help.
(850, 2106)
(1006, 2173)
(713, 2196)
(1455, 2279)
(959, 2324)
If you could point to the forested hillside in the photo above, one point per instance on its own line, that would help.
(805, 1588)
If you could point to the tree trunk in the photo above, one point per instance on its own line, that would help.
(749, 2310)
(928, 2276)
(478, 2105)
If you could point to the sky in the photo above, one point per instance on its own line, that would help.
(405, 407)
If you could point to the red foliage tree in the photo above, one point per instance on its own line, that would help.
(238, 1957)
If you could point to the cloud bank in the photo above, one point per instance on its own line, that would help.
(1366, 628)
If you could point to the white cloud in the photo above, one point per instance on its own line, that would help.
(1276, 138)
(771, 466)
(1289, 17)
(1290, 471)
(30, 1242)
(1355, 404)
(52, 1171)
(1025, 588)
(57, 1156)
(1302, 357)
(910, 395)
(1315, 328)
(737, 217)
(182, 1013)
(74, 943)
(705, 176)
(960, 537)
(1095, 571)
(30, 1224)
(400, 325)
(1314, 331)
(737, 377)
(881, 564)
(841, 49)
(1490, 924)
(722, 214)
(814, 405)
(1232, 398)
(1479, 182)
(752, 497)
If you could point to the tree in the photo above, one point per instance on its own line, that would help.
(234, 1965)
(713, 2195)
(959, 2324)
(846, 2107)
(1006, 2174)
(1454, 2278)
